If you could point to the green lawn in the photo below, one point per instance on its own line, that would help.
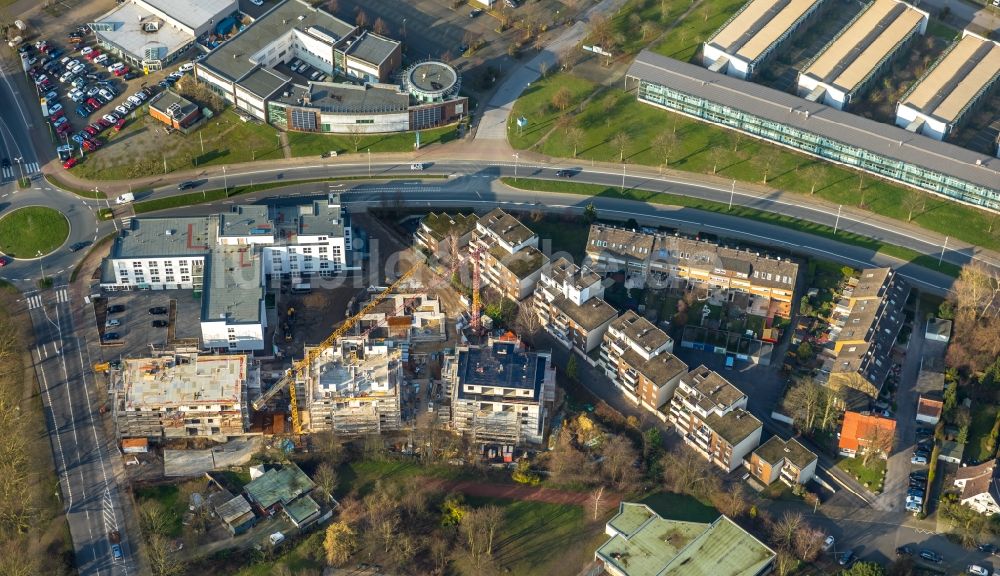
(27, 231)
(226, 138)
(315, 144)
(681, 507)
(904, 254)
(871, 476)
(362, 476)
(705, 148)
(983, 417)
(535, 104)
(569, 237)
(168, 495)
(686, 38)
(541, 539)
(755, 323)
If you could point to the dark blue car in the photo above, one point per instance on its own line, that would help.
(82, 111)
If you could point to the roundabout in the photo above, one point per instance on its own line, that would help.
(32, 231)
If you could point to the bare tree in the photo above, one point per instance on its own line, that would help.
(717, 155)
(686, 471)
(362, 18)
(978, 290)
(595, 500)
(877, 442)
(784, 529)
(913, 202)
(802, 403)
(355, 132)
(784, 562)
(332, 6)
(527, 322)
(620, 457)
(479, 527)
(574, 136)
(440, 549)
(765, 159)
(812, 173)
(163, 561)
(808, 543)
(326, 481)
(648, 29)
(566, 462)
(664, 143)
(380, 27)
(339, 543)
(562, 99)
(621, 142)
(732, 502)
(600, 30)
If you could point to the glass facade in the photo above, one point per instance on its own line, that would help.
(821, 146)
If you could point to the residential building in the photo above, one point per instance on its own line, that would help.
(182, 396)
(405, 317)
(861, 433)
(569, 304)
(929, 408)
(740, 47)
(711, 417)
(354, 387)
(286, 489)
(670, 261)
(236, 514)
(817, 129)
(866, 47)
(500, 392)
(951, 89)
(509, 259)
(951, 451)
(788, 461)
(980, 487)
(151, 34)
(638, 358)
(233, 315)
(938, 330)
(642, 543)
(174, 110)
(436, 230)
(864, 325)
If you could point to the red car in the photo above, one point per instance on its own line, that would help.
(56, 115)
(91, 130)
(93, 102)
(69, 163)
(61, 130)
(3, 261)
(121, 71)
(92, 54)
(103, 124)
(119, 125)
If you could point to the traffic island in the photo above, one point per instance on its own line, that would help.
(32, 232)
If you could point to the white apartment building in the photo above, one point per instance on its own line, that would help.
(500, 393)
(354, 387)
(569, 305)
(183, 396)
(510, 260)
(711, 417)
(638, 358)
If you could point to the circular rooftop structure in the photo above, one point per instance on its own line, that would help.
(432, 81)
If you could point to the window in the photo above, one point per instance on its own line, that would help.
(364, 121)
(137, 264)
(154, 279)
(182, 263)
(170, 279)
(185, 270)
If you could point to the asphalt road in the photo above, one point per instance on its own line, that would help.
(83, 457)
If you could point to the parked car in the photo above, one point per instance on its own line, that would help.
(931, 556)
(187, 185)
(157, 310)
(987, 548)
(4, 261)
(119, 125)
(112, 322)
(921, 460)
(101, 59)
(847, 558)
(53, 109)
(904, 551)
(186, 67)
(131, 75)
(475, 12)
(110, 118)
(828, 543)
(160, 323)
(86, 50)
(76, 246)
(977, 570)
(110, 337)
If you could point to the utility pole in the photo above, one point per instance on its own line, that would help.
(517, 156)
(225, 182)
(836, 225)
(20, 168)
(369, 163)
(623, 176)
(732, 192)
(943, 248)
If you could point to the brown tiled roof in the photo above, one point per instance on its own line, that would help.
(929, 407)
(619, 242)
(979, 484)
(967, 472)
(641, 331)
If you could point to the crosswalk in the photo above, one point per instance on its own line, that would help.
(11, 172)
(35, 300)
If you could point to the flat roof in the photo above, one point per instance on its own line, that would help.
(264, 82)
(281, 485)
(505, 226)
(192, 13)
(432, 76)
(522, 263)
(169, 381)
(324, 219)
(165, 237)
(590, 315)
(232, 59)
(758, 26)
(649, 545)
(246, 220)
(501, 364)
(734, 426)
(127, 31)
(232, 288)
(971, 65)
(659, 369)
(824, 121)
(346, 98)
(714, 391)
(777, 449)
(562, 270)
(442, 225)
(370, 375)
(372, 48)
(861, 46)
(640, 331)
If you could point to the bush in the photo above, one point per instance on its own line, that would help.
(524, 475)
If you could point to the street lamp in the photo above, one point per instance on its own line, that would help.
(41, 265)
(20, 168)
(369, 163)
(404, 27)
(837, 223)
(517, 156)
(225, 182)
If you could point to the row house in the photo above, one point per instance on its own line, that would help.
(569, 305)
(638, 358)
(710, 415)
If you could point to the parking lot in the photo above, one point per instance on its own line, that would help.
(135, 329)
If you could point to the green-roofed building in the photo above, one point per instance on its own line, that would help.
(286, 488)
(645, 544)
(436, 230)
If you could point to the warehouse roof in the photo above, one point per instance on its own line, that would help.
(969, 67)
(192, 13)
(372, 48)
(850, 129)
(860, 47)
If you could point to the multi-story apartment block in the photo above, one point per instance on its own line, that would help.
(436, 230)
(672, 261)
(569, 304)
(182, 396)
(865, 323)
(409, 317)
(638, 358)
(500, 393)
(776, 459)
(711, 416)
(354, 387)
(510, 261)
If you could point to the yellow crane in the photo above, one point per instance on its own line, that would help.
(300, 366)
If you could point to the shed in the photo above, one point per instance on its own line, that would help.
(938, 330)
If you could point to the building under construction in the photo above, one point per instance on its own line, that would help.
(407, 317)
(183, 395)
(500, 393)
(353, 387)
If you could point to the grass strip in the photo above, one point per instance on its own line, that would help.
(900, 252)
(193, 198)
(54, 181)
(97, 246)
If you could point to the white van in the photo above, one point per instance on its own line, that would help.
(125, 199)
(301, 288)
(276, 538)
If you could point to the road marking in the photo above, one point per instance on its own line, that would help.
(34, 301)
(55, 425)
(61, 295)
(8, 173)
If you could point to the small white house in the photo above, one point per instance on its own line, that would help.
(980, 488)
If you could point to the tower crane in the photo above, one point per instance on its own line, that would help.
(300, 366)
